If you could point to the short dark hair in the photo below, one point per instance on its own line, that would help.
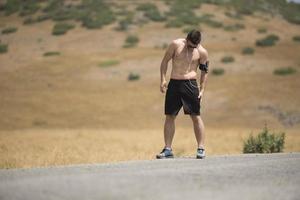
(194, 36)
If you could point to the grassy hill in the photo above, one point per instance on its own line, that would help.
(65, 65)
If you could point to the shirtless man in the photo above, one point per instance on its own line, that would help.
(187, 55)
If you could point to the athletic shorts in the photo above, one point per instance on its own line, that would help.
(182, 93)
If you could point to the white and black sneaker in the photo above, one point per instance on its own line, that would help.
(200, 153)
(165, 153)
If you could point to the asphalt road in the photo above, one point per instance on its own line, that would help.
(267, 176)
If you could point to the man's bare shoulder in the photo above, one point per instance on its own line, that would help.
(202, 50)
(178, 42)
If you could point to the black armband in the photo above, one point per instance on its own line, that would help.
(204, 67)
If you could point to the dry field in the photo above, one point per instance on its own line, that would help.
(66, 109)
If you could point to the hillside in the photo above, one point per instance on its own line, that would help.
(86, 86)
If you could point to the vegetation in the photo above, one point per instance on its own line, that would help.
(296, 38)
(131, 41)
(234, 27)
(133, 76)
(9, 30)
(248, 51)
(126, 22)
(3, 48)
(218, 71)
(262, 30)
(227, 59)
(265, 142)
(52, 53)
(150, 11)
(109, 63)
(284, 71)
(269, 40)
(181, 13)
(61, 28)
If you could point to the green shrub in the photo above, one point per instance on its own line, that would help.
(248, 51)
(227, 59)
(29, 20)
(9, 30)
(61, 28)
(296, 38)
(12, 6)
(265, 142)
(291, 12)
(150, 11)
(218, 71)
(284, 71)
(95, 13)
(133, 76)
(174, 23)
(126, 22)
(109, 63)
(29, 7)
(234, 27)
(262, 30)
(3, 48)
(52, 53)
(269, 40)
(131, 41)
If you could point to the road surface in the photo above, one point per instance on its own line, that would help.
(251, 176)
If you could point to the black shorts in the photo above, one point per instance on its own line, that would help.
(182, 93)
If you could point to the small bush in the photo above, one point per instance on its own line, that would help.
(131, 41)
(62, 28)
(227, 59)
(218, 71)
(133, 76)
(265, 142)
(234, 27)
(3, 48)
(126, 22)
(262, 30)
(29, 20)
(52, 53)
(9, 30)
(284, 71)
(150, 11)
(174, 23)
(296, 38)
(248, 51)
(269, 40)
(109, 63)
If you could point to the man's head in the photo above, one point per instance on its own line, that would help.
(193, 38)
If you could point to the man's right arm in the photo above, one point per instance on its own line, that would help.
(164, 66)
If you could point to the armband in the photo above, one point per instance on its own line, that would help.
(204, 67)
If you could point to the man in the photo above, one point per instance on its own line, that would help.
(187, 55)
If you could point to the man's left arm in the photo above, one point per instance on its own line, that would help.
(204, 67)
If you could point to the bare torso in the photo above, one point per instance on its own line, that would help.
(185, 60)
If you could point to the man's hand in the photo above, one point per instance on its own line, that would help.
(200, 95)
(163, 86)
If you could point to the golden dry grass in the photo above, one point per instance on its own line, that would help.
(37, 148)
(66, 110)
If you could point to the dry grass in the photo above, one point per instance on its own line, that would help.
(36, 148)
(67, 110)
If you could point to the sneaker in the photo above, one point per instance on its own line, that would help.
(200, 153)
(165, 153)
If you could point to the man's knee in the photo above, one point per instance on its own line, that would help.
(170, 117)
(195, 118)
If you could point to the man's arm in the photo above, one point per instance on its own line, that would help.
(164, 66)
(204, 64)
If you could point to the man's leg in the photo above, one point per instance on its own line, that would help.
(199, 130)
(169, 130)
